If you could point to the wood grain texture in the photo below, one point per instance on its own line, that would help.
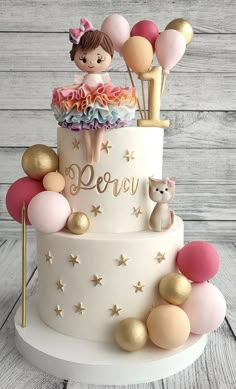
(184, 91)
(50, 52)
(205, 16)
(191, 166)
(188, 129)
(10, 254)
(213, 370)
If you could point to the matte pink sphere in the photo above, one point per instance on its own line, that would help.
(206, 308)
(198, 261)
(49, 211)
(21, 192)
(147, 29)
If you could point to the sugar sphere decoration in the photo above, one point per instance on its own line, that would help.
(147, 29)
(168, 326)
(48, 211)
(54, 181)
(198, 261)
(131, 334)
(206, 308)
(174, 288)
(78, 223)
(21, 192)
(137, 53)
(38, 160)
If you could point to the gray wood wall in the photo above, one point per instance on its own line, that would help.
(200, 98)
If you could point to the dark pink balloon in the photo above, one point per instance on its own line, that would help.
(147, 29)
(198, 261)
(21, 192)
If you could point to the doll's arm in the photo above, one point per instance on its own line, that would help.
(78, 78)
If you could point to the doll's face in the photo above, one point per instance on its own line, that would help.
(92, 61)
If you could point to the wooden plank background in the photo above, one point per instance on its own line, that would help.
(200, 98)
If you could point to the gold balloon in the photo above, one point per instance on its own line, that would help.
(131, 334)
(182, 26)
(38, 160)
(175, 288)
(137, 53)
(78, 223)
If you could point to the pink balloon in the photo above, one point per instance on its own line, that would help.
(49, 211)
(118, 29)
(147, 29)
(21, 192)
(198, 261)
(206, 308)
(170, 47)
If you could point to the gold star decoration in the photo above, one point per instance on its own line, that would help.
(105, 147)
(137, 211)
(59, 311)
(129, 155)
(97, 280)
(115, 310)
(122, 260)
(160, 257)
(60, 285)
(139, 287)
(79, 308)
(49, 257)
(74, 260)
(96, 210)
(76, 144)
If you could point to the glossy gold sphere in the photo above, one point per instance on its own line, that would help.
(182, 26)
(38, 160)
(131, 334)
(175, 288)
(78, 223)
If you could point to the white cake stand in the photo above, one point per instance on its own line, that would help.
(97, 362)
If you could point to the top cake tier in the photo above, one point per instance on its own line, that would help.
(113, 192)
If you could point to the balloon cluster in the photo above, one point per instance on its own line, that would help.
(40, 192)
(192, 305)
(138, 44)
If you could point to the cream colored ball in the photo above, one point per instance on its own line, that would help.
(131, 334)
(168, 326)
(54, 181)
(175, 288)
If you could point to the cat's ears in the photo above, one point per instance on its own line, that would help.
(170, 181)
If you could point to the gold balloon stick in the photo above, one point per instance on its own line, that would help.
(144, 102)
(133, 85)
(24, 266)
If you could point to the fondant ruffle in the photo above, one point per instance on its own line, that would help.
(93, 125)
(103, 105)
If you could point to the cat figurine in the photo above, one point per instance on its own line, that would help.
(162, 192)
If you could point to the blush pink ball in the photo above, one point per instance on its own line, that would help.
(198, 261)
(147, 29)
(49, 211)
(21, 192)
(206, 308)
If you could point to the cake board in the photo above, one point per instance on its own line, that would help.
(97, 363)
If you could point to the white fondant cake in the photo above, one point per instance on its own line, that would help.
(117, 186)
(88, 283)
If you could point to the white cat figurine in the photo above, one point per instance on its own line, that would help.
(162, 192)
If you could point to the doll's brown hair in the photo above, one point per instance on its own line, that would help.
(91, 40)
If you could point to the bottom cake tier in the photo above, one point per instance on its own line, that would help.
(88, 283)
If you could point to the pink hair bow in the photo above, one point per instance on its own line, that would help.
(77, 33)
(170, 181)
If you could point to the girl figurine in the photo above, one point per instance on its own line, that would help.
(93, 103)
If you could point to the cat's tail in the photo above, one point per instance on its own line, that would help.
(172, 215)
